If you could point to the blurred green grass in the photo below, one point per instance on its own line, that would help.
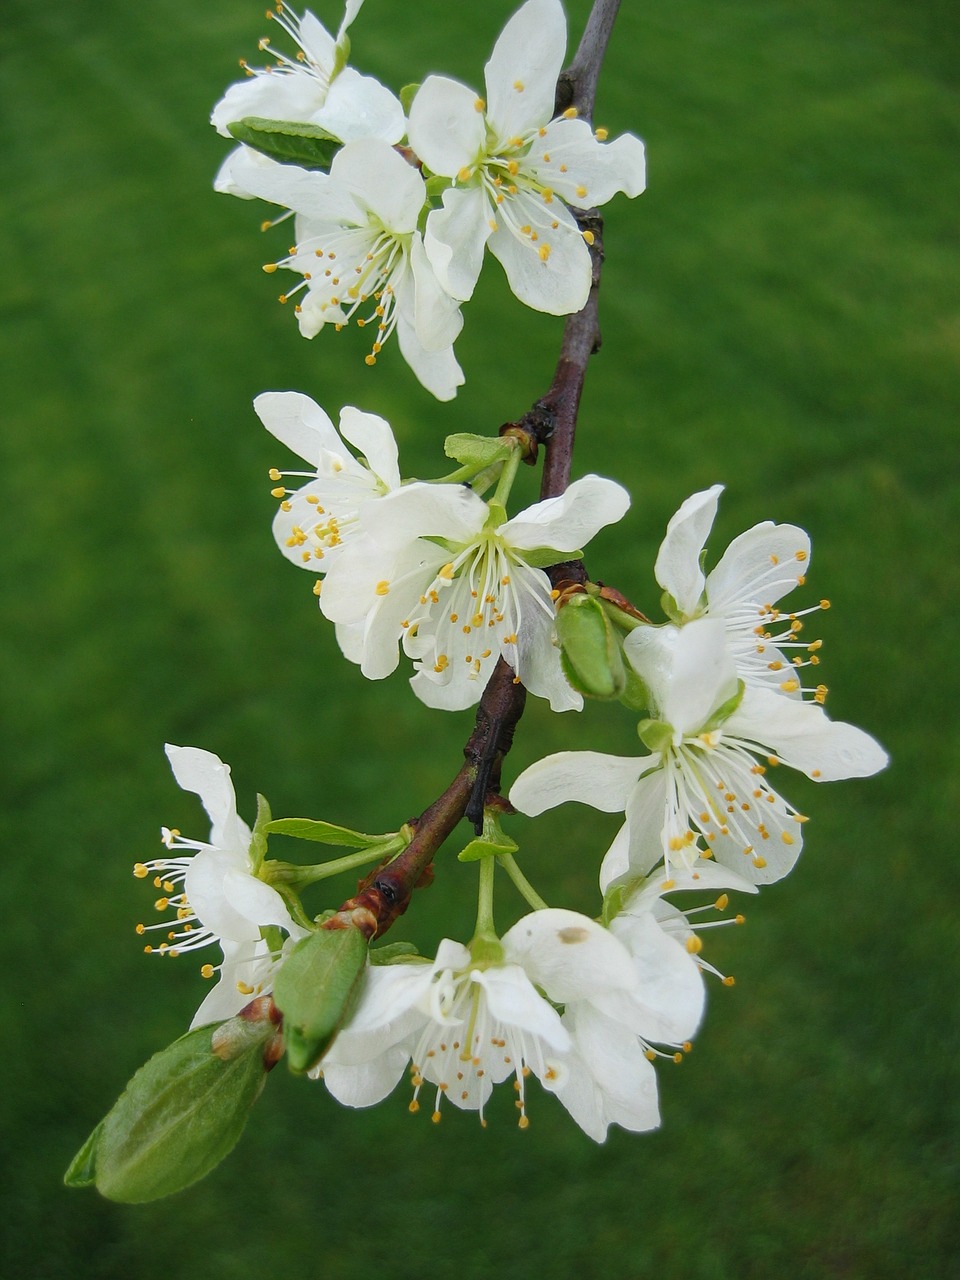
(780, 312)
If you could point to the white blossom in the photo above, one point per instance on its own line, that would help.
(708, 777)
(757, 569)
(361, 258)
(318, 518)
(214, 891)
(515, 169)
(466, 1025)
(434, 571)
(313, 87)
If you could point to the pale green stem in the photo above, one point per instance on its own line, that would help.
(507, 476)
(291, 873)
(485, 926)
(527, 891)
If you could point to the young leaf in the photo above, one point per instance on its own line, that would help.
(324, 832)
(289, 142)
(316, 991)
(477, 451)
(181, 1113)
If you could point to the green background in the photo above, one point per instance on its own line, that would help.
(780, 313)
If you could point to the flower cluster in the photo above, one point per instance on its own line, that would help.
(390, 232)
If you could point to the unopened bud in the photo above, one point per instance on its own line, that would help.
(590, 648)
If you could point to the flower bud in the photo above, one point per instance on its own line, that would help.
(590, 648)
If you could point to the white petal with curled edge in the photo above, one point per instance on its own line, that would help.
(269, 97)
(677, 567)
(207, 776)
(422, 510)
(758, 568)
(805, 738)
(616, 861)
(247, 962)
(513, 999)
(203, 885)
(317, 42)
(437, 317)
(609, 1081)
(454, 239)
(552, 275)
(589, 777)
(568, 522)
(582, 170)
(359, 106)
(535, 656)
(374, 438)
(521, 75)
(305, 191)
(568, 955)
(256, 901)
(668, 992)
(366, 1083)
(437, 371)
(445, 129)
(298, 422)
(687, 670)
(381, 182)
(702, 874)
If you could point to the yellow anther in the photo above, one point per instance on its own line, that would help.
(383, 588)
(207, 971)
(693, 945)
(722, 902)
(464, 174)
(140, 871)
(581, 191)
(274, 474)
(790, 686)
(739, 919)
(518, 85)
(278, 493)
(544, 252)
(601, 135)
(729, 980)
(245, 989)
(513, 167)
(141, 930)
(570, 113)
(588, 236)
(824, 604)
(317, 587)
(479, 105)
(285, 506)
(801, 556)
(370, 360)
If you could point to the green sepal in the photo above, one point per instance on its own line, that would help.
(396, 953)
(493, 843)
(655, 735)
(322, 832)
(613, 901)
(288, 141)
(258, 845)
(407, 95)
(636, 695)
(590, 649)
(317, 989)
(181, 1113)
(544, 557)
(725, 709)
(477, 451)
(670, 607)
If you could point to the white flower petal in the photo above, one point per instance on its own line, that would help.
(616, 861)
(803, 736)
(381, 182)
(582, 170)
(568, 522)
(521, 75)
(513, 999)
(359, 106)
(591, 777)
(422, 510)
(255, 901)
(249, 963)
(758, 568)
(437, 318)
(687, 670)
(668, 993)
(610, 1081)
(204, 888)
(375, 440)
(298, 422)
(677, 568)
(454, 239)
(207, 776)
(552, 274)
(438, 371)
(367, 1083)
(568, 955)
(445, 129)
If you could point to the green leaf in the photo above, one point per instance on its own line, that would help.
(82, 1171)
(181, 1113)
(493, 843)
(477, 451)
(544, 557)
(407, 95)
(316, 991)
(396, 953)
(590, 648)
(322, 832)
(287, 141)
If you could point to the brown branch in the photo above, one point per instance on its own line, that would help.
(552, 422)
